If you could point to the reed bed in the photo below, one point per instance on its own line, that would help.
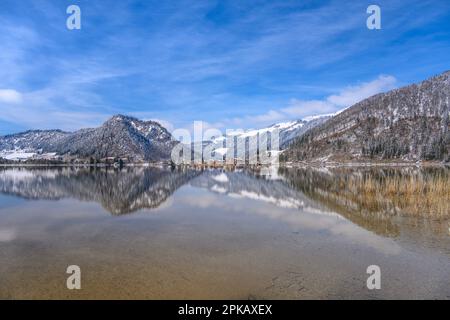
(382, 192)
(416, 193)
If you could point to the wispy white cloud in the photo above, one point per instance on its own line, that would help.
(301, 108)
(272, 115)
(230, 63)
(346, 97)
(354, 94)
(343, 99)
(10, 96)
(63, 97)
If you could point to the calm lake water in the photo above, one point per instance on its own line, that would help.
(273, 234)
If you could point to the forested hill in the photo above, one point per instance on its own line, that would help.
(410, 123)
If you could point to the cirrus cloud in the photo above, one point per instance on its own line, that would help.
(344, 98)
(353, 94)
(10, 96)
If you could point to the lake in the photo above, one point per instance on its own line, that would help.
(287, 233)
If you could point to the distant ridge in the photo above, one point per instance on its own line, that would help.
(121, 136)
(410, 123)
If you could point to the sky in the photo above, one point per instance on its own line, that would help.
(232, 64)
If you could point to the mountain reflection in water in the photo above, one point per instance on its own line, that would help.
(217, 234)
(371, 198)
(118, 191)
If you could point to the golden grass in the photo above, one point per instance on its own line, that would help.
(417, 193)
(382, 193)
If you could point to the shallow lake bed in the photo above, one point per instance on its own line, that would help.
(179, 234)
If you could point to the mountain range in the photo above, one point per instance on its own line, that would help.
(120, 137)
(411, 123)
(287, 131)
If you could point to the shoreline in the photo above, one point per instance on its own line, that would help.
(366, 164)
(347, 164)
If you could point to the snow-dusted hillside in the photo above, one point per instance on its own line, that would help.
(287, 131)
(410, 123)
(30, 144)
(124, 136)
(120, 136)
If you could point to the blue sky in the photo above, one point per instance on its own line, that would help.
(232, 64)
